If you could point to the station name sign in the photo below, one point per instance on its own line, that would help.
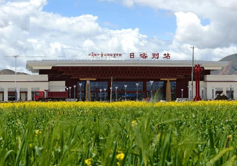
(132, 55)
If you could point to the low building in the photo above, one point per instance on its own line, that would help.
(98, 80)
(25, 86)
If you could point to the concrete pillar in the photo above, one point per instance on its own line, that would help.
(18, 94)
(88, 91)
(234, 93)
(168, 87)
(168, 91)
(224, 90)
(5, 94)
(29, 94)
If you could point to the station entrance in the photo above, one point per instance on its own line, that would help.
(92, 90)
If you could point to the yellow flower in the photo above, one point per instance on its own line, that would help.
(31, 145)
(88, 161)
(134, 123)
(118, 163)
(37, 132)
(120, 156)
(230, 137)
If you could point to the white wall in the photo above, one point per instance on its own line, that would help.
(214, 83)
(57, 86)
(24, 83)
(222, 82)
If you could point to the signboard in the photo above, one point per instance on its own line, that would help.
(144, 55)
(114, 55)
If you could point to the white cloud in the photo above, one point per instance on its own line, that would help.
(219, 33)
(26, 30)
(230, 4)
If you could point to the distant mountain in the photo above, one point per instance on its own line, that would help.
(10, 72)
(231, 68)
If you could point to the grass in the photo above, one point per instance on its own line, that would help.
(125, 133)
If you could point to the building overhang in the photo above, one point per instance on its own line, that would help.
(35, 66)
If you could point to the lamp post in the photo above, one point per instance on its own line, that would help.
(80, 84)
(213, 93)
(74, 86)
(100, 94)
(151, 89)
(125, 86)
(182, 93)
(67, 90)
(137, 84)
(16, 98)
(111, 94)
(88, 90)
(105, 93)
(202, 93)
(116, 93)
(70, 92)
(192, 72)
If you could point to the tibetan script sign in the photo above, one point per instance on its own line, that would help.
(114, 55)
(132, 55)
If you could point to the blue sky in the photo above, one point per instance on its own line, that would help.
(114, 15)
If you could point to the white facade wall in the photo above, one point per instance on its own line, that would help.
(214, 84)
(222, 83)
(57, 86)
(25, 85)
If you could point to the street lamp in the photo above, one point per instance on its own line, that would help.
(70, 92)
(188, 92)
(74, 86)
(202, 93)
(116, 93)
(125, 86)
(100, 94)
(137, 84)
(182, 93)
(151, 89)
(16, 98)
(213, 93)
(88, 90)
(67, 90)
(111, 94)
(192, 72)
(80, 84)
(105, 93)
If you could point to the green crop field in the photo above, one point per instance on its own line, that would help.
(121, 133)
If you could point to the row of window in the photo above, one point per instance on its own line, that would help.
(124, 85)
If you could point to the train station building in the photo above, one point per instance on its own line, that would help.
(168, 79)
(115, 79)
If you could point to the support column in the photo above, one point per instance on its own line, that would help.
(5, 94)
(224, 90)
(168, 91)
(29, 94)
(88, 91)
(168, 87)
(1, 96)
(18, 94)
(88, 87)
